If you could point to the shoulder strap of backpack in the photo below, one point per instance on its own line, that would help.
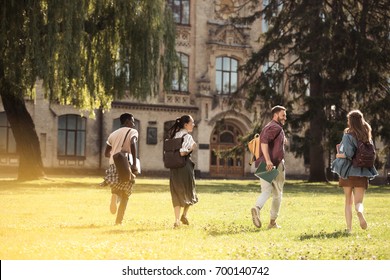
(125, 137)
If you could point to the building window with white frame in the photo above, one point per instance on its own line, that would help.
(180, 77)
(180, 10)
(71, 136)
(226, 76)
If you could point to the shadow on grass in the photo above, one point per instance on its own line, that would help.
(203, 186)
(230, 229)
(112, 229)
(324, 235)
(90, 226)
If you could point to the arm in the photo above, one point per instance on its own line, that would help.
(347, 147)
(183, 154)
(107, 151)
(188, 145)
(133, 149)
(268, 162)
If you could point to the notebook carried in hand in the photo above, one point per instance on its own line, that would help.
(262, 173)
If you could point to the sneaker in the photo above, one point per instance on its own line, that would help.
(184, 220)
(113, 204)
(275, 225)
(256, 217)
(362, 220)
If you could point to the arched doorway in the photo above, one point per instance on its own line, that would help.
(225, 136)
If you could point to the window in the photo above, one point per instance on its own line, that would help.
(274, 74)
(71, 136)
(180, 77)
(180, 10)
(7, 140)
(265, 24)
(226, 77)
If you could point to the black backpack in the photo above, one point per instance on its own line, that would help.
(365, 155)
(171, 157)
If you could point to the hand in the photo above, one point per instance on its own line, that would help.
(340, 155)
(134, 169)
(270, 165)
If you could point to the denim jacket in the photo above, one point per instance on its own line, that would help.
(343, 166)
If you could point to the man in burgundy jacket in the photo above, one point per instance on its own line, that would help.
(272, 140)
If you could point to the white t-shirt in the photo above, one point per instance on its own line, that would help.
(115, 140)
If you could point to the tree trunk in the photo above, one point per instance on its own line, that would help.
(23, 128)
(317, 126)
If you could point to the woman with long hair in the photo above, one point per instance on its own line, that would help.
(353, 179)
(182, 180)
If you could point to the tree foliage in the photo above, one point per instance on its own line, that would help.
(335, 56)
(86, 52)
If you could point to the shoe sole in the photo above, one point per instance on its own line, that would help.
(255, 217)
(362, 220)
(113, 204)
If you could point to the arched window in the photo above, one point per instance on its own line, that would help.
(180, 77)
(71, 136)
(226, 76)
(225, 137)
(7, 140)
(180, 10)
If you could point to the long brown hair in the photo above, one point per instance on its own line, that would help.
(179, 124)
(358, 126)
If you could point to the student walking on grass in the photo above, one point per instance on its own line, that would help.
(182, 180)
(272, 140)
(122, 139)
(353, 179)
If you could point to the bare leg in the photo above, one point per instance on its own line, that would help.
(348, 207)
(177, 215)
(113, 203)
(183, 218)
(185, 210)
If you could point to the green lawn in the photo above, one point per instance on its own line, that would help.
(69, 218)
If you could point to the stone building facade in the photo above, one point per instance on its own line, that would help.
(210, 49)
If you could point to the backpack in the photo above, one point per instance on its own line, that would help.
(364, 155)
(122, 163)
(254, 148)
(171, 157)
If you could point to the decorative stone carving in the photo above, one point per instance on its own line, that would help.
(183, 35)
(228, 35)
